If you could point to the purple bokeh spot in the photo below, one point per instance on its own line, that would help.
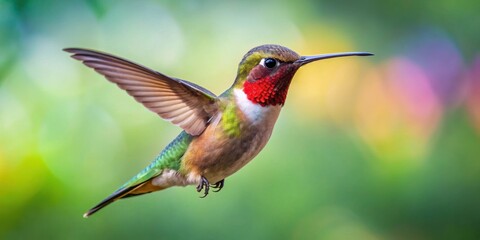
(435, 52)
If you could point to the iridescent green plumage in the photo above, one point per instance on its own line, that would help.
(169, 158)
(230, 121)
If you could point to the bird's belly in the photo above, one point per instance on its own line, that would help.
(217, 155)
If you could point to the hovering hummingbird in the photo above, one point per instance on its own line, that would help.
(220, 133)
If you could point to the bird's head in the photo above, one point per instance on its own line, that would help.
(266, 71)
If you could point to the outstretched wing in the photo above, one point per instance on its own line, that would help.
(181, 102)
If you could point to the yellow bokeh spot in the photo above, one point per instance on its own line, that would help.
(325, 90)
(385, 126)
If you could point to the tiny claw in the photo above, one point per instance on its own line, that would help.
(203, 183)
(218, 185)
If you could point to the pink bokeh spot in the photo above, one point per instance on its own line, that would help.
(416, 97)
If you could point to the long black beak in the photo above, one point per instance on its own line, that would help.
(308, 59)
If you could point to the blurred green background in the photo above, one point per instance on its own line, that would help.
(385, 147)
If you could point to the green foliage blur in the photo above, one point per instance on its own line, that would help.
(385, 147)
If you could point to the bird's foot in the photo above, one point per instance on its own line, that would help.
(218, 185)
(203, 184)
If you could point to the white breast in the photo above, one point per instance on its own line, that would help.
(256, 113)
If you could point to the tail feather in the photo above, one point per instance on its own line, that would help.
(121, 193)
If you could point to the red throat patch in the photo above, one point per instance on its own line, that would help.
(269, 90)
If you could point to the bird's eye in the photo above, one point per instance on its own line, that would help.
(269, 62)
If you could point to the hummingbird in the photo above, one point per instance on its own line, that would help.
(221, 134)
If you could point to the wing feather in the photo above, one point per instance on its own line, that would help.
(181, 102)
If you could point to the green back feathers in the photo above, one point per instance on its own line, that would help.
(169, 158)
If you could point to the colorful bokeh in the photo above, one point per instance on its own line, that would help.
(383, 147)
